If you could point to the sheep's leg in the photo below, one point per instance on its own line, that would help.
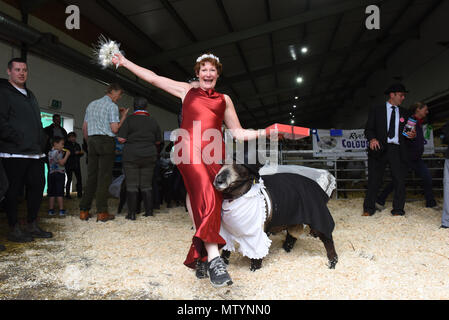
(255, 264)
(330, 248)
(289, 242)
(225, 254)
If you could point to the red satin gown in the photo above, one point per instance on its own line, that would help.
(208, 107)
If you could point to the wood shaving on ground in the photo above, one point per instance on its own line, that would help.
(380, 257)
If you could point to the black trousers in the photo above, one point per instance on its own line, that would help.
(139, 174)
(4, 184)
(79, 182)
(28, 173)
(376, 170)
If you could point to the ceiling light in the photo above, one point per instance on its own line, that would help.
(292, 52)
(299, 79)
(294, 107)
(304, 50)
(292, 122)
(296, 98)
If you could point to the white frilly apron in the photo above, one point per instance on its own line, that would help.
(242, 221)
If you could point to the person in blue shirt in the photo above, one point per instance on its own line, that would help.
(57, 158)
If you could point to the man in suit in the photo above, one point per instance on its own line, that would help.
(384, 130)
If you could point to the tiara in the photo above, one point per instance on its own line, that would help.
(204, 56)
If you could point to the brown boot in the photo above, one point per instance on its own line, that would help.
(103, 217)
(84, 215)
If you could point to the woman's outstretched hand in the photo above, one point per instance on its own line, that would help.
(118, 60)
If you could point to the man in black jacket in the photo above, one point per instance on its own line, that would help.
(22, 156)
(384, 130)
(445, 216)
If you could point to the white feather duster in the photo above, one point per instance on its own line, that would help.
(104, 51)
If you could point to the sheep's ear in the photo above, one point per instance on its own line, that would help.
(253, 169)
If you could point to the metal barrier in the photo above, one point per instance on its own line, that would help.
(352, 173)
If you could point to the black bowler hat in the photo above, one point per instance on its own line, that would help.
(397, 87)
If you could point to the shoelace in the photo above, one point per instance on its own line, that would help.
(219, 268)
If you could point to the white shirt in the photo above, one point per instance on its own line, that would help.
(23, 91)
(395, 139)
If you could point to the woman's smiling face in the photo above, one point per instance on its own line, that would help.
(207, 76)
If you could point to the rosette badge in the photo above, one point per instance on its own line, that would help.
(104, 51)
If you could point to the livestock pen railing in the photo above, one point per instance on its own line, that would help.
(352, 173)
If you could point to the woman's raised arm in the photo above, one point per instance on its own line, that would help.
(231, 121)
(175, 88)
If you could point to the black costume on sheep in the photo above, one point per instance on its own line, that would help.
(298, 200)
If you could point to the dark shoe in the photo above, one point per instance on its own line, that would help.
(62, 213)
(104, 217)
(2, 247)
(201, 270)
(131, 201)
(36, 232)
(147, 197)
(444, 227)
(218, 274)
(431, 204)
(398, 214)
(18, 235)
(367, 214)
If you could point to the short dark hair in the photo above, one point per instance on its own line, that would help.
(56, 116)
(140, 103)
(72, 134)
(18, 60)
(114, 87)
(57, 140)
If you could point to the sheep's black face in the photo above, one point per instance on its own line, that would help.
(225, 177)
(233, 181)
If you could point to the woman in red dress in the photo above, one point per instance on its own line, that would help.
(204, 111)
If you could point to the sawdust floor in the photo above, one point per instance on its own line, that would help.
(380, 257)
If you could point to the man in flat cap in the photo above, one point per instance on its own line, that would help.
(384, 130)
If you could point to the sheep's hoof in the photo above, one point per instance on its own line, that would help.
(289, 243)
(255, 264)
(333, 263)
(225, 256)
